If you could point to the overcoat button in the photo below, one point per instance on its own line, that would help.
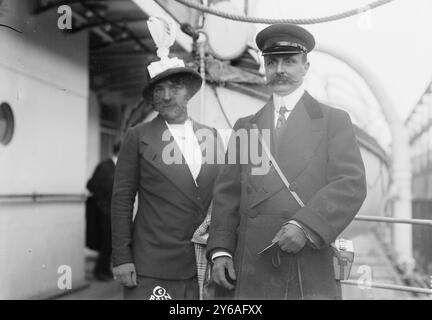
(293, 186)
(248, 189)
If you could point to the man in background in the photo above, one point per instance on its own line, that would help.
(101, 186)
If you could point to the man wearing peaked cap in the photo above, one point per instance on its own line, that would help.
(284, 39)
(274, 242)
(153, 256)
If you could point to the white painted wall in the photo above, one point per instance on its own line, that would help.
(35, 240)
(44, 77)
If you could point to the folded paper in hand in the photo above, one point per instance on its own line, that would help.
(267, 248)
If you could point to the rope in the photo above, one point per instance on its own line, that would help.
(201, 48)
(221, 106)
(9, 27)
(248, 19)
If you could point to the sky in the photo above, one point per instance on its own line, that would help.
(393, 41)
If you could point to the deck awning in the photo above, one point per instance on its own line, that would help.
(120, 45)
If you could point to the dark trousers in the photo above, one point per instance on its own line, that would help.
(103, 262)
(162, 289)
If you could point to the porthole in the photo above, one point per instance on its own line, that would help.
(7, 123)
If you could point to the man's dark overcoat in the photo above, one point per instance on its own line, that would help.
(319, 155)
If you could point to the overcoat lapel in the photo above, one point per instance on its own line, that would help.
(264, 120)
(178, 173)
(295, 148)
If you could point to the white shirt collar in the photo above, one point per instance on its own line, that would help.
(187, 142)
(288, 101)
(187, 123)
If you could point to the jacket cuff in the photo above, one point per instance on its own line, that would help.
(124, 258)
(226, 243)
(220, 253)
(314, 240)
(314, 221)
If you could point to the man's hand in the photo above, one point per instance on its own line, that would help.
(221, 266)
(290, 238)
(126, 274)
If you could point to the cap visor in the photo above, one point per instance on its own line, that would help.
(282, 52)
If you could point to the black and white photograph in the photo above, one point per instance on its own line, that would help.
(229, 151)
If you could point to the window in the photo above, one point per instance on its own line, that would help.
(7, 123)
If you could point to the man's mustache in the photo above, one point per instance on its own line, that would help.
(278, 78)
(168, 104)
(284, 78)
(173, 105)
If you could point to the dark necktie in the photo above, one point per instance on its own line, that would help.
(281, 119)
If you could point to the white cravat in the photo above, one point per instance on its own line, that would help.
(188, 144)
(288, 102)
